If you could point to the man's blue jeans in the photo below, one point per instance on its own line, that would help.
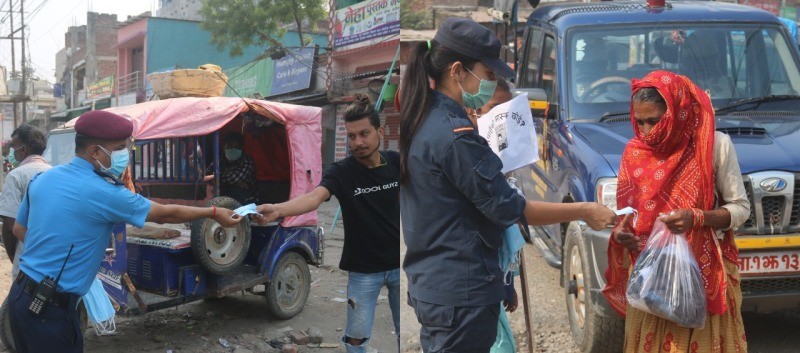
(362, 295)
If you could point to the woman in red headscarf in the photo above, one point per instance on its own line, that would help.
(678, 169)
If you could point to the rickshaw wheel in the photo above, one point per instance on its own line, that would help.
(218, 249)
(288, 290)
(5, 325)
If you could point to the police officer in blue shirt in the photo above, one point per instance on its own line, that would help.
(454, 200)
(74, 207)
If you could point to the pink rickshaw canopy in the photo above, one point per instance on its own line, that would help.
(190, 116)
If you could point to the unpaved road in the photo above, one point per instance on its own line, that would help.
(241, 322)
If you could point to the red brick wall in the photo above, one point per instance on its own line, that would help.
(101, 37)
(106, 68)
(105, 35)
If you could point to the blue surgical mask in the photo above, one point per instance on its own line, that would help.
(485, 93)
(508, 255)
(11, 159)
(233, 154)
(100, 309)
(119, 161)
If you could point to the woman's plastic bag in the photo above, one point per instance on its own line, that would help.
(666, 280)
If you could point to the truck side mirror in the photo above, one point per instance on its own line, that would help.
(537, 98)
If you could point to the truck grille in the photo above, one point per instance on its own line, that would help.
(773, 208)
(751, 221)
(795, 218)
(769, 286)
(743, 131)
(772, 212)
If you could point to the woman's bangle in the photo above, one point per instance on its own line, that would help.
(213, 211)
(698, 217)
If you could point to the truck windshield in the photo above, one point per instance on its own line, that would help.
(732, 62)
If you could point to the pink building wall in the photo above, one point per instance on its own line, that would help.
(130, 36)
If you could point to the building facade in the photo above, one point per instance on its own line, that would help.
(151, 44)
(88, 56)
(180, 9)
(365, 37)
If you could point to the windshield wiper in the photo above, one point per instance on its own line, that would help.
(757, 101)
(610, 116)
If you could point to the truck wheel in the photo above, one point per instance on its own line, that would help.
(287, 292)
(218, 249)
(5, 325)
(591, 332)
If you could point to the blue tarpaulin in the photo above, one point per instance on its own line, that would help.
(792, 26)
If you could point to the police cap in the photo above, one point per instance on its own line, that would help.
(468, 38)
(104, 125)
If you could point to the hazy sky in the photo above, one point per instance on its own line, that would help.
(47, 24)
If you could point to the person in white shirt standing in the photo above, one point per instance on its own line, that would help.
(27, 145)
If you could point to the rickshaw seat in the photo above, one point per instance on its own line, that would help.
(182, 241)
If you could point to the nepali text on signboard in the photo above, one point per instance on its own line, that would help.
(293, 71)
(100, 89)
(367, 20)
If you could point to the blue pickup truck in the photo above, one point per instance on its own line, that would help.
(576, 66)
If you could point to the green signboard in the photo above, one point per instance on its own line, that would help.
(789, 12)
(250, 78)
(100, 89)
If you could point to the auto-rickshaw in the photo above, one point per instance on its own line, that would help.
(177, 159)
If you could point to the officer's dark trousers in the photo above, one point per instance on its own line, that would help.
(456, 329)
(55, 330)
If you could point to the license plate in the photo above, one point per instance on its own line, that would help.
(769, 262)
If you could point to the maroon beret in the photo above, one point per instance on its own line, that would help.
(104, 125)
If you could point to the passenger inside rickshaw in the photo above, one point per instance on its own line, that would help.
(237, 171)
(266, 142)
(181, 170)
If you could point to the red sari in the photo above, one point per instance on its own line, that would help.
(671, 168)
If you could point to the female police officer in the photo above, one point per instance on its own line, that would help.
(454, 201)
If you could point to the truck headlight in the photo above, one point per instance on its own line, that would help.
(607, 192)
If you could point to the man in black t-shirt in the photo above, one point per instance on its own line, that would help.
(366, 185)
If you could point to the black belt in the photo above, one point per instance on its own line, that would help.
(60, 300)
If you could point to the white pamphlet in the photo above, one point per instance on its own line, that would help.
(509, 130)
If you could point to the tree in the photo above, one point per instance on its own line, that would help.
(414, 15)
(238, 24)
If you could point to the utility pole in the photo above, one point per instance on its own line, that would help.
(24, 69)
(13, 59)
